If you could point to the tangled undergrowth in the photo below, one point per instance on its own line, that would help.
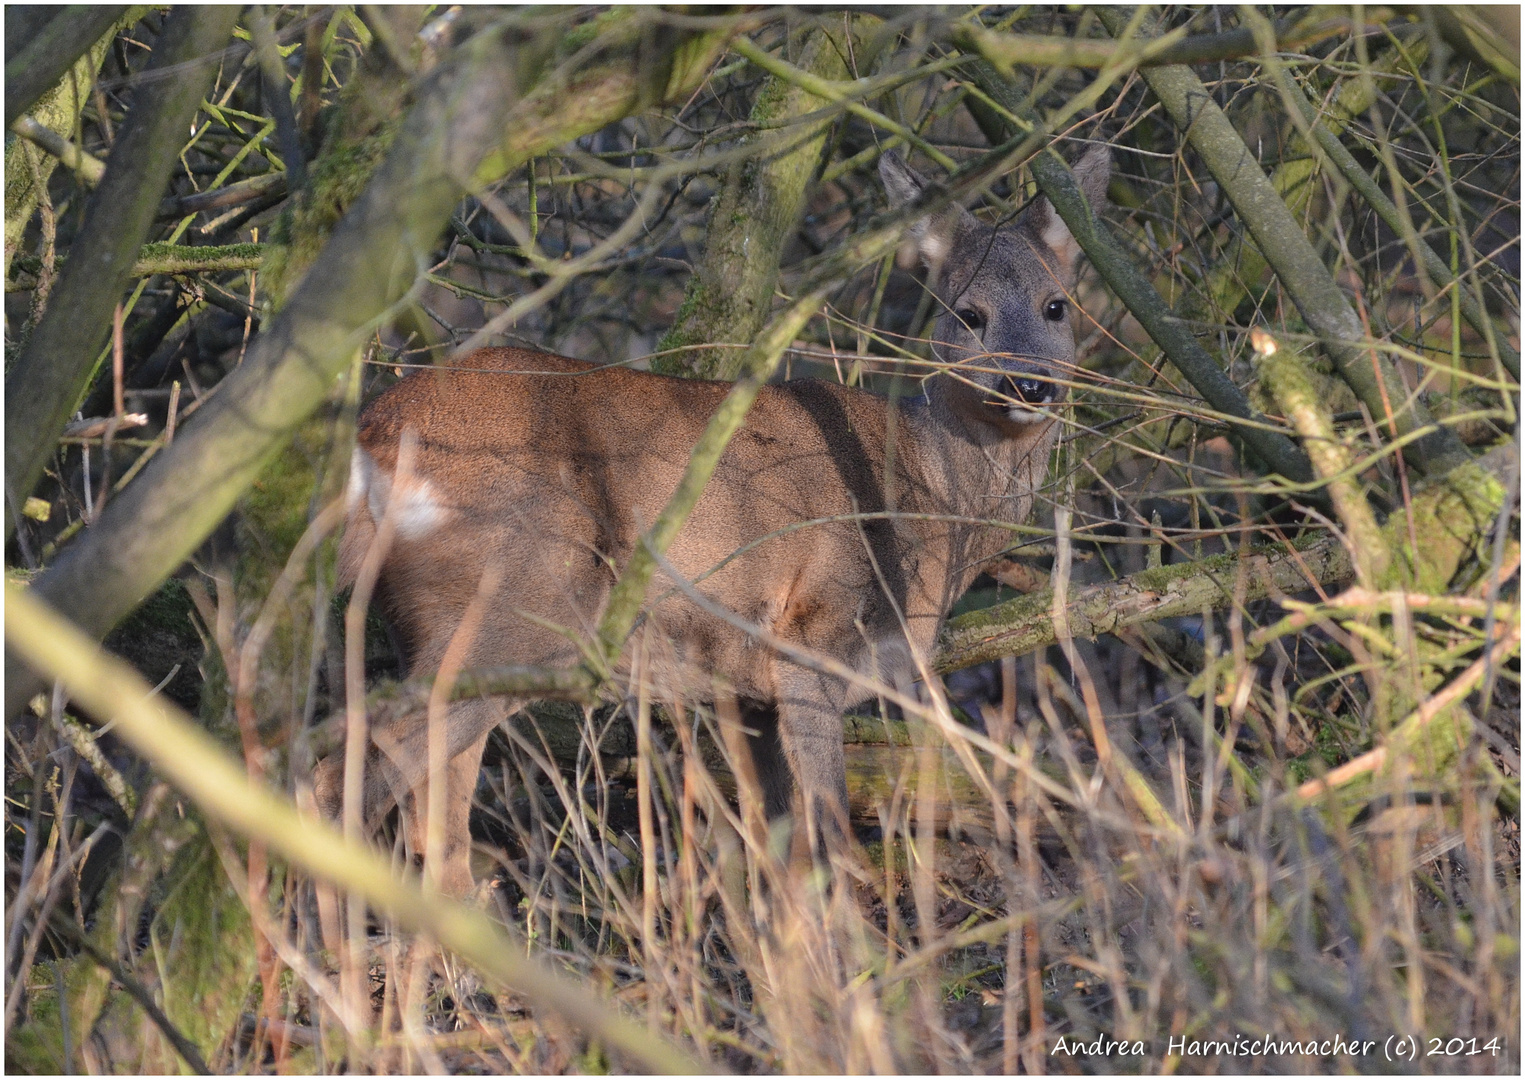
(1245, 800)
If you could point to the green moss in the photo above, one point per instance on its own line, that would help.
(697, 316)
(585, 34)
(203, 942)
(158, 638)
(58, 110)
(758, 209)
(1450, 520)
(1017, 609)
(772, 102)
(273, 516)
(34, 1044)
(335, 182)
(186, 258)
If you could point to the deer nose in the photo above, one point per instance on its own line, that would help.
(1026, 388)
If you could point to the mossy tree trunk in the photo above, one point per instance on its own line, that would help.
(758, 210)
(55, 368)
(27, 168)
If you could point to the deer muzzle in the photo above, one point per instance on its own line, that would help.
(1025, 396)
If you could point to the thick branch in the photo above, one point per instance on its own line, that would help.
(245, 191)
(39, 65)
(1026, 623)
(508, 680)
(1293, 390)
(1011, 629)
(1240, 267)
(28, 170)
(175, 259)
(89, 167)
(757, 212)
(52, 373)
(1288, 250)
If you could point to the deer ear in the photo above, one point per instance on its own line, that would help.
(931, 237)
(1092, 172)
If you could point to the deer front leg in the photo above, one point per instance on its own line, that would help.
(810, 731)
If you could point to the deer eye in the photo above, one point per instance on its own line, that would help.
(970, 318)
(1053, 311)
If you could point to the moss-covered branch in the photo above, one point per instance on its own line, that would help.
(1026, 623)
(1294, 392)
(1241, 269)
(39, 64)
(1011, 629)
(89, 167)
(1287, 248)
(177, 259)
(27, 170)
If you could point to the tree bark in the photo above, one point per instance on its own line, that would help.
(754, 217)
(57, 110)
(38, 64)
(54, 370)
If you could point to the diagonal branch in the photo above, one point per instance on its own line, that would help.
(1302, 273)
(55, 368)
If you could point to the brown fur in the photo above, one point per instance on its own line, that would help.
(548, 468)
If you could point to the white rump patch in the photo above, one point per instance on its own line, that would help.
(360, 468)
(419, 510)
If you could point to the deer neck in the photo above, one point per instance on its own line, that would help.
(976, 470)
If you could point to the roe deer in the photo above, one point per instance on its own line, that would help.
(545, 470)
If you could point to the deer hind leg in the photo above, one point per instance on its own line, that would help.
(397, 773)
(450, 862)
(810, 733)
